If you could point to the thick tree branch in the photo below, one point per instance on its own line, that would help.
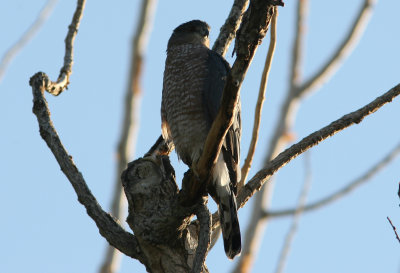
(341, 53)
(260, 101)
(312, 140)
(56, 88)
(108, 227)
(26, 37)
(204, 238)
(350, 187)
(130, 120)
(228, 30)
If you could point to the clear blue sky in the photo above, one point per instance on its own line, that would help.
(45, 229)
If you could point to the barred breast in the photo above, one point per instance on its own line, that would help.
(182, 100)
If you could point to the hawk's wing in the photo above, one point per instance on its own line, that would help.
(218, 70)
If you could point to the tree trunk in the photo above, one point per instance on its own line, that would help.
(162, 226)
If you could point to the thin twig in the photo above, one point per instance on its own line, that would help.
(108, 227)
(342, 52)
(56, 88)
(350, 187)
(228, 30)
(130, 121)
(26, 37)
(260, 101)
(312, 140)
(394, 229)
(296, 218)
(204, 239)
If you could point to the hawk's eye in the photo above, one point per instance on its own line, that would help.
(203, 31)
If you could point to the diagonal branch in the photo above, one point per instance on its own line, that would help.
(108, 227)
(228, 30)
(312, 140)
(260, 101)
(130, 120)
(26, 37)
(344, 191)
(261, 177)
(342, 52)
(56, 88)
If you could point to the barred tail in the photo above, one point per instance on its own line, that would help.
(227, 210)
(230, 226)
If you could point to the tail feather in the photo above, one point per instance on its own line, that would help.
(227, 209)
(230, 226)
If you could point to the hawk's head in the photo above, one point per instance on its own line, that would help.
(192, 32)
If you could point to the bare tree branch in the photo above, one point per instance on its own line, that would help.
(107, 225)
(56, 88)
(296, 218)
(130, 121)
(228, 30)
(342, 52)
(260, 101)
(204, 239)
(310, 141)
(298, 44)
(26, 37)
(350, 187)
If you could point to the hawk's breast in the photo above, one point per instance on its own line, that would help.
(182, 104)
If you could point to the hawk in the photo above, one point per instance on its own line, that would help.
(194, 79)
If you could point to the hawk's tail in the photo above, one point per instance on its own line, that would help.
(227, 210)
(230, 226)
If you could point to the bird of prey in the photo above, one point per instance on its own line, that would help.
(194, 80)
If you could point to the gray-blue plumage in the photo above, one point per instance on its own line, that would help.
(194, 80)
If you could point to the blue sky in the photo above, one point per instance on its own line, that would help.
(45, 229)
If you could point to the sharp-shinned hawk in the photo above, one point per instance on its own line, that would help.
(194, 80)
